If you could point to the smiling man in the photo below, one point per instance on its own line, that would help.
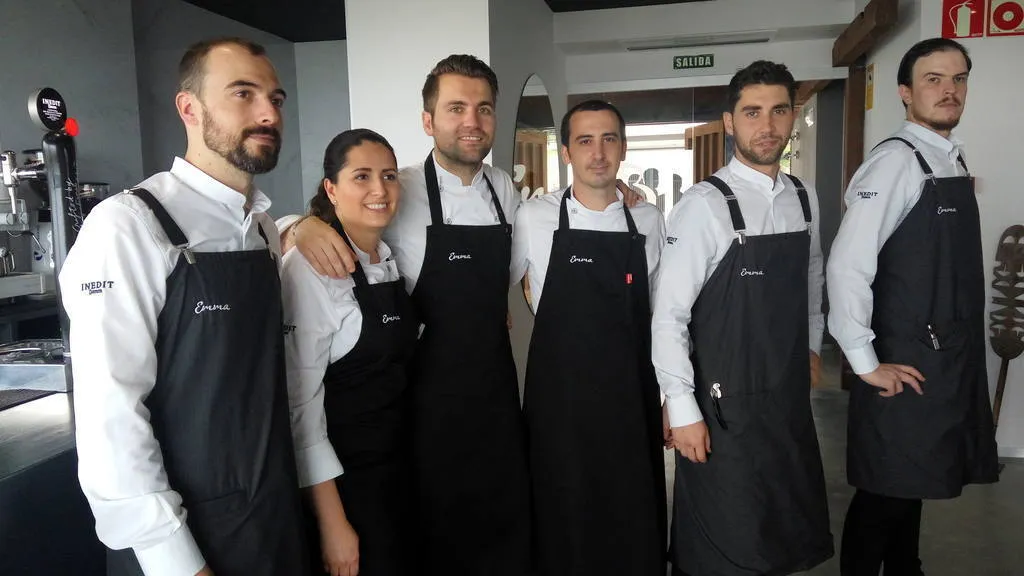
(907, 291)
(737, 319)
(592, 405)
(181, 413)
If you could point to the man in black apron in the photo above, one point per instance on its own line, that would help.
(592, 403)
(907, 294)
(740, 285)
(181, 406)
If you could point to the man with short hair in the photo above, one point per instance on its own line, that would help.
(737, 321)
(452, 240)
(181, 412)
(592, 404)
(907, 291)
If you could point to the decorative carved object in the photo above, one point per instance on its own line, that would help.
(1007, 320)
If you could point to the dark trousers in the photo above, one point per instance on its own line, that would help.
(881, 531)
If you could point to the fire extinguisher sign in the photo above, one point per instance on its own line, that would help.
(1006, 18)
(964, 18)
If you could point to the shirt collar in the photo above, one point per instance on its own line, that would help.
(946, 145)
(762, 181)
(446, 179)
(383, 251)
(617, 205)
(206, 185)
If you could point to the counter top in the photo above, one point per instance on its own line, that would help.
(35, 432)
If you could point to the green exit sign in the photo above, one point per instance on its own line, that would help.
(696, 61)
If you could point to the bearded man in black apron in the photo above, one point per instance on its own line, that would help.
(907, 293)
(181, 409)
(740, 285)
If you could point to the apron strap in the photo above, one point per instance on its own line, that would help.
(738, 224)
(960, 158)
(563, 215)
(434, 194)
(920, 159)
(805, 204)
(359, 276)
(170, 227)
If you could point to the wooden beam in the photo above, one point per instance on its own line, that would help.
(877, 19)
(853, 122)
(809, 88)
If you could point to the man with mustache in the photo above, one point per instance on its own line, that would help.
(737, 321)
(907, 293)
(592, 403)
(181, 412)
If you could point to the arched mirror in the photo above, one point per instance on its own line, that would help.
(535, 160)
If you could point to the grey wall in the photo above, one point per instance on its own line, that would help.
(163, 29)
(85, 50)
(322, 72)
(829, 162)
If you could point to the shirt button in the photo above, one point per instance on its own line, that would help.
(447, 220)
(573, 210)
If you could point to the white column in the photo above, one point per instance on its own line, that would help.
(392, 46)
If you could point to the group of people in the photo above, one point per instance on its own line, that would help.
(352, 407)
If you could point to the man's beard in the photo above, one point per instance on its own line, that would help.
(767, 159)
(235, 151)
(456, 155)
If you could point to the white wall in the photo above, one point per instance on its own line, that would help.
(321, 69)
(991, 120)
(991, 130)
(87, 53)
(163, 31)
(699, 18)
(624, 71)
(386, 72)
(885, 117)
(522, 44)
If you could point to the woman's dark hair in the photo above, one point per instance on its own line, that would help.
(335, 158)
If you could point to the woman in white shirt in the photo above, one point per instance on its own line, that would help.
(347, 342)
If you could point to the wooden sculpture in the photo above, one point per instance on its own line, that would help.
(1007, 320)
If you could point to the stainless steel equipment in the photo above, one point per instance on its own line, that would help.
(45, 365)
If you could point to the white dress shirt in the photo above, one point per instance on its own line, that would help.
(113, 339)
(322, 324)
(537, 221)
(700, 233)
(460, 205)
(881, 194)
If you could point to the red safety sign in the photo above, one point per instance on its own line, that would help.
(963, 18)
(1006, 18)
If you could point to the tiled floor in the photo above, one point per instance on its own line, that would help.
(979, 534)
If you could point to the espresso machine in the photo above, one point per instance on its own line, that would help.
(44, 364)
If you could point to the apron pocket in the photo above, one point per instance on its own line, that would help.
(218, 507)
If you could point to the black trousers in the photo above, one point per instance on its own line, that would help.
(881, 531)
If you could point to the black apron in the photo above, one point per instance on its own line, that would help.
(469, 439)
(758, 506)
(219, 410)
(929, 313)
(593, 410)
(368, 407)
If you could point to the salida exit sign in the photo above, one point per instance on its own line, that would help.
(695, 61)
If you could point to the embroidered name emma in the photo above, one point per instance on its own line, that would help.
(454, 256)
(946, 210)
(745, 272)
(576, 259)
(395, 318)
(202, 307)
